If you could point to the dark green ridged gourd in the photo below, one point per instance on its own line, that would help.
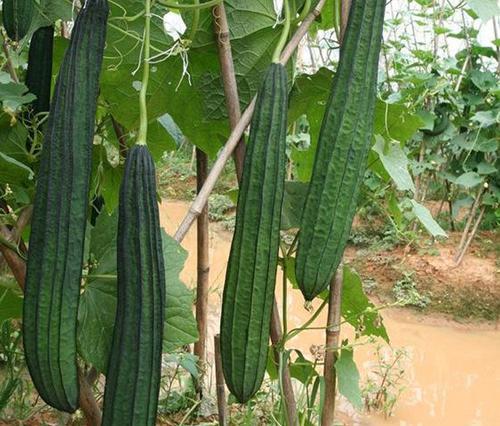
(343, 145)
(251, 272)
(134, 367)
(39, 74)
(17, 17)
(60, 214)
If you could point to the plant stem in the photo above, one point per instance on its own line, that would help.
(205, 5)
(305, 10)
(284, 35)
(196, 21)
(143, 128)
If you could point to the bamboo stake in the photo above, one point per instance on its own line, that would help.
(222, 34)
(219, 383)
(236, 134)
(472, 215)
(331, 347)
(461, 254)
(203, 270)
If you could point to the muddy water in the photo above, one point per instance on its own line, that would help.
(452, 372)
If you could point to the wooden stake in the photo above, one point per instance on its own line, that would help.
(470, 219)
(236, 134)
(221, 27)
(203, 270)
(219, 383)
(461, 254)
(331, 347)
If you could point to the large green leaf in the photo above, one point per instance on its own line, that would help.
(425, 217)
(357, 309)
(395, 163)
(195, 102)
(348, 377)
(96, 314)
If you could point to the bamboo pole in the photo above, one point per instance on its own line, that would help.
(331, 348)
(203, 267)
(461, 254)
(219, 383)
(470, 219)
(221, 28)
(236, 134)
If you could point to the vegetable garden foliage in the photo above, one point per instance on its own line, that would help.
(408, 163)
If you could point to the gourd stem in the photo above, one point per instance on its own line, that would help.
(284, 35)
(196, 21)
(305, 10)
(206, 5)
(143, 129)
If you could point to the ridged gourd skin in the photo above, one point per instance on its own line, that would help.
(55, 258)
(17, 17)
(342, 151)
(39, 74)
(134, 366)
(251, 273)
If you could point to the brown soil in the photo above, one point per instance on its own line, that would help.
(470, 290)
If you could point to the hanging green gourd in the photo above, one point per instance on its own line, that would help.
(54, 268)
(251, 273)
(134, 367)
(343, 145)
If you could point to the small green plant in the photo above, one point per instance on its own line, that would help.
(385, 382)
(220, 208)
(407, 294)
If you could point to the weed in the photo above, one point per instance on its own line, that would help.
(407, 294)
(385, 383)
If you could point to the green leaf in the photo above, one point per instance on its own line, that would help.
(13, 171)
(425, 217)
(484, 80)
(485, 9)
(357, 309)
(485, 118)
(302, 369)
(469, 180)
(96, 319)
(180, 325)
(348, 377)
(484, 168)
(14, 95)
(395, 163)
(96, 314)
(11, 301)
(293, 204)
(395, 121)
